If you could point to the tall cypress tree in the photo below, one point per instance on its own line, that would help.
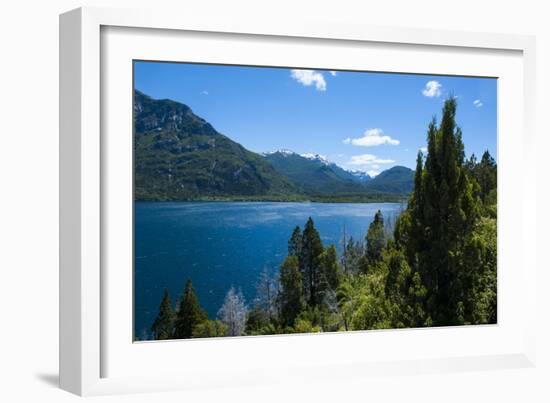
(376, 238)
(442, 212)
(189, 314)
(310, 263)
(291, 297)
(163, 327)
(295, 242)
(331, 269)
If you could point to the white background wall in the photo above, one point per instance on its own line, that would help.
(29, 197)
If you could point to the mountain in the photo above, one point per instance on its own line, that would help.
(180, 156)
(398, 179)
(314, 173)
(360, 176)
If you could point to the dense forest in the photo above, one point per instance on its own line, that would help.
(435, 265)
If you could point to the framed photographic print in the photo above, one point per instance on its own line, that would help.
(248, 196)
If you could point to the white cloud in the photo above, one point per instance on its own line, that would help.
(369, 159)
(424, 149)
(432, 89)
(371, 138)
(309, 77)
(332, 73)
(478, 103)
(368, 163)
(204, 92)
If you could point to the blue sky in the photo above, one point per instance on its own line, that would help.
(359, 120)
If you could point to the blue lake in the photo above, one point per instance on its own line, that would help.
(222, 244)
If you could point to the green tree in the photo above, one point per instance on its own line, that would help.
(480, 273)
(376, 238)
(485, 172)
(163, 326)
(330, 268)
(443, 210)
(310, 263)
(259, 322)
(190, 313)
(291, 293)
(351, 257)
(295, 242)
(210, 328)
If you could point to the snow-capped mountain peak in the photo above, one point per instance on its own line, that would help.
(283, 151)
(316, 157)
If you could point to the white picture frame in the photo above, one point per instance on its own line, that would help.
(93, 347)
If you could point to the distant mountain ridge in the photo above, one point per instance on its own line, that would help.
(314, 173)
(180, 156)
(397, 179)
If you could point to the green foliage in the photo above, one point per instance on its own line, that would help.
(259, 322)
(163, 327)
(295, 242)
(291, 297)
(331, 272)
(310, 264)
(352, 255)
(480, 277)
(305, 326)
(443, 214)
(210, 328)
(190, 313)
(376, 238)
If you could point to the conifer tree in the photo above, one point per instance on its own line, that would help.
(443, 211)
(295, 242)
(190, 313)
(291, 297)
(163, 327)
(330, 269)
(376, 238)
(310, 263)
(486, 175)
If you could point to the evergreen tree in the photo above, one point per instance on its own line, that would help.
(295, 242)
(351, 258)
(163, 327)
(190, 313)
(310, 263)
(330, 268)
(376, 238)
(486, 175)
(442, 212)
(291, 297)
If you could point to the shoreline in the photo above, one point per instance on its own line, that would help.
(320, 199)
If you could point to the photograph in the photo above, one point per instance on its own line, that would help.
(292, 200)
